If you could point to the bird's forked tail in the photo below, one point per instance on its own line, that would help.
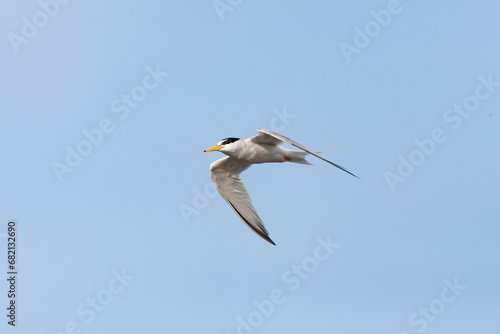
(298, 157)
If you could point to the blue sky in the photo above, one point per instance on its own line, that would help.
(129, 237)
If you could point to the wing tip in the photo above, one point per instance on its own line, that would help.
(354, 175)
(343, 169)
(269, 240)
(263, 234)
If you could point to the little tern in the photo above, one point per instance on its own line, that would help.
(241, 154)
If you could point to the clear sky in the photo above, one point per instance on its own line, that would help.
(106, 109)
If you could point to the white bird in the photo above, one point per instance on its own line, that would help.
(242, 153)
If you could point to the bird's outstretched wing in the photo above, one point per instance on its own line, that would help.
(263, 133)
(226, 175)
(265, 138)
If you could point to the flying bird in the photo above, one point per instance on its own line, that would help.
(241, 154)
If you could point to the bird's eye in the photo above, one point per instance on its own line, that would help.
(226, 141)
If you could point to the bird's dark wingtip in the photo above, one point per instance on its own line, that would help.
(266, 237)
(259, 233)
(270, 241)
(345, 170)
(356, 176)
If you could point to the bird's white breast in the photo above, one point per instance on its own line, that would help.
(254, 153)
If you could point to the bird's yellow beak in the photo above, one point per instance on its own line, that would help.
(215, 148)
